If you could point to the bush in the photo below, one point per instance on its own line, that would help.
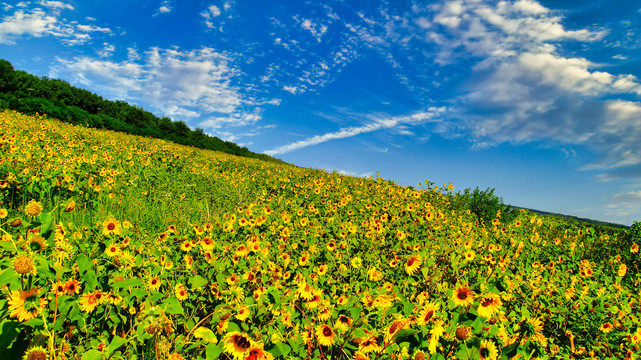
(485, 204)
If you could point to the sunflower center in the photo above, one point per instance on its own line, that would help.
(327, 331)
(111, 226)
(484, 352)
(462, 295)
(486, 302)
(242, 342)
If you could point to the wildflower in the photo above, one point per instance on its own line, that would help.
(488, 350)
(154, 283)
(463, 333)
(181, 292)
(111, 227)
(237, 344)
(89, 302)
(413, 264)
(33, 208)
(3, 213)
(343, 322)
(35, 353)
(394, 329)
(112, 250)
(25, 304)
(23, 264)
(489, 305)
(243, 313)
(427, 313)
(634, 248)
(72, 287)
(606, 328)
(256, 352)
(463, 297)
(356, 262)
(622, 270)
(58, 288)
(70, 206)
(325, 335)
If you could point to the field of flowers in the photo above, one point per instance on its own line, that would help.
(122, 247)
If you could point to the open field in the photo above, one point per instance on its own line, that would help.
(121, 247)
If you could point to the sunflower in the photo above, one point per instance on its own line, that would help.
(237, 344)
(356, 262)
(427, 313)
(33, 208)
(305, 291)
(72, 287)
(634, 248)
(23, 264)
(70, 206)
(343, 323)
(606, 328)
(243, 313)
(325, 335)
(257, 352)
(3, 213)
(488, 350)
(413, 264)
(181, 292)
(154, 283)
(394, 329)
(89, 302)
(35, 353)
(489, 305)
(58, 288)
(322, 270)
(207, 243)
(111, 227)
(463, 297)
(112, 250)
(25, 304)
(369, 344)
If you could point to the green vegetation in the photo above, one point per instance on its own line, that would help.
(30, 94)
(123, 247)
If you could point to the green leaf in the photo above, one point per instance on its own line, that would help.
(84, 264)
(90, 279)
(10, 277)
(92, 354)
(9, 330)
(213, 351)
(172, 306)
(127, 283)
(197, 282)
(115, 343)
(280, 349)
(45, 220)
(9, 246)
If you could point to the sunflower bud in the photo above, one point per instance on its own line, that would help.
(16, 223)
(462, 333)
(23, 264)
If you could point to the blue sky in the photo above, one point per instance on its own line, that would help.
(539, 100)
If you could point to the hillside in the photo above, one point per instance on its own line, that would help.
(30, 94)
(118, 246)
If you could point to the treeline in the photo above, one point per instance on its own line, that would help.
(31, 94)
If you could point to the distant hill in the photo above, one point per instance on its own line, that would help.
(31, 94)
(576, 218)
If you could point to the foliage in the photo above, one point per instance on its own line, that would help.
(29, 94)
(121, 247)
(485, 204)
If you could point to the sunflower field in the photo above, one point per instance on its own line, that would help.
(122, 247)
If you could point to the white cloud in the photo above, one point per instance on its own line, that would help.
(107, 50)
(534, 91)
(38, 23)
(57, 5)
(375, 125)
(164, 9)
(186, 82)
(315, 29)
(211, 12)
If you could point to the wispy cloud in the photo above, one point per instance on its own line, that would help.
(376, 124)
(40, 22)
